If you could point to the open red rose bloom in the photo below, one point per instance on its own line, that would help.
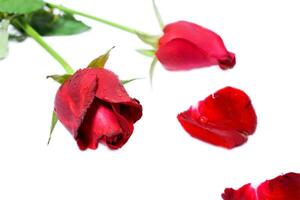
(224, 118)
(186, 46)
(94, 106)
(285, 187)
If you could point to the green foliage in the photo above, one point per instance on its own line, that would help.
(60, 78)
(147, 52)
(151, 40)
(100, 61)
(53, 124)
(48, 24)
(20, 6)
(158, 16)
(152, 67)
(129, 80)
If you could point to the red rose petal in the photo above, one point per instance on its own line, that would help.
(186, 45)
(181, 54)
(247, 192)
(99, 123)
(285, 187)
(224, 119)
(74, 97)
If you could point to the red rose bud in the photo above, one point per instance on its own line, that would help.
(186, 46)
(224, 118)
(94, 106)
(285, 187)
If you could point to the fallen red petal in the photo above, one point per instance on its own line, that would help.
(246, 192)
(224, 118)
(284, 187)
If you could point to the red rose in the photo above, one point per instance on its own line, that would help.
(94, 106)
(285, 187)
(186, 46)
(224, 118)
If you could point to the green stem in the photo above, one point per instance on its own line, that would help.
(35, 35)
(113, 24)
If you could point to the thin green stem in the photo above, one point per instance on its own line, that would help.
(113, 24)
(35, 35)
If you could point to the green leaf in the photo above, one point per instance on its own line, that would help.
(48, 24)
(3, 38)
(60, 78)
(100, 61)
(20, 6)
(158, 16)
(151, 40)
(129, 80)
(152, 67)
(147, 52)
(53, 124)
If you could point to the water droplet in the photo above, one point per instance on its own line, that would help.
(203, 119)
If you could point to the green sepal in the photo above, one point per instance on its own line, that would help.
(158, 16)
(53, 124)
(60, 78)
(151, 40)
(100, 61)
(20, 6)
(129, 80)
(151, 70)
(147, 52)
(46, 23)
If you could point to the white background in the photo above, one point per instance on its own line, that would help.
(160, 161)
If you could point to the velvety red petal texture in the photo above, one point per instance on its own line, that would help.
(284, 187)
(224, 118)
(247, 192)
(94, 106)
(186, 46)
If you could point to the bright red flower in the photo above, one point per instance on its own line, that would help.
(285, 187)
(224, 118)
(186, 46)
(94, 106)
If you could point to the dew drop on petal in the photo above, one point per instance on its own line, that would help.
(203, 119)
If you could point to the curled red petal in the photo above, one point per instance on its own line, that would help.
(207, 47)
(100, 124)
(73, 99)
(246, 192)
(224, 118)
(284, 187)
(117, 97)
